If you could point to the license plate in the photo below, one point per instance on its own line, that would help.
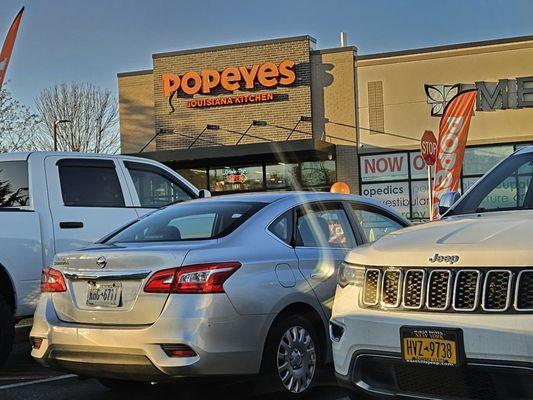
(434, 346)
(104, 294)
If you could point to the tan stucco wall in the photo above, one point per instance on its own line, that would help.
(333, 95)
(136, 109)
(406, 111)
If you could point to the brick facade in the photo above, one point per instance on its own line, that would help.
(181, 126)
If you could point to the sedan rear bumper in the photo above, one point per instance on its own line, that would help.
(225, 342)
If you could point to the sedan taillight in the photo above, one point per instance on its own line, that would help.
(52, 281)
(201, 278)
(161, 281)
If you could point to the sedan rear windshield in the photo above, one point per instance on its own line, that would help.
(188, 221)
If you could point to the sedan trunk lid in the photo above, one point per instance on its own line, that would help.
(105, 283)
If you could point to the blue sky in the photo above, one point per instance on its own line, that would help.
(92, 40)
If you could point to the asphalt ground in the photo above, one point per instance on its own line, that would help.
(22, 378)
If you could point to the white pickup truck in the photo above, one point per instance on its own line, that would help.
(55, 202)
(445, 309)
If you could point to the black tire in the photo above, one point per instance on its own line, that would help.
(271, 377)
(124, 385)
(7, 329)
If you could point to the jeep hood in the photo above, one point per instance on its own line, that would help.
(498, 239)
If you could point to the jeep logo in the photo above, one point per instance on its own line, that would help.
(437, 258)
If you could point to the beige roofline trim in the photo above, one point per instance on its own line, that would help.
(487, 46)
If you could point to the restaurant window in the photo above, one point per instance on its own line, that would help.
(319, 175)
(236, 179)
(400, 179)
(282, 176)
(197, 176)
(478, 160)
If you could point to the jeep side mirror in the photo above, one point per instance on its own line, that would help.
(447, 200)
(203, 193)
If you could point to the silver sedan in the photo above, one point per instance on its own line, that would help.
(230, 285)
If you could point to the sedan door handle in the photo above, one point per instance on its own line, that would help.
(71, 225)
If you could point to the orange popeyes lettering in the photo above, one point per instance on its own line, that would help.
(249, 75)
(210, 79)
(230, 79)
(171, 83)
(287, 74)
(187, 78)
(267, 74)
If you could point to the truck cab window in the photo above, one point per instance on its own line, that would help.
(14, 187)
(90, 186)
(155, 189)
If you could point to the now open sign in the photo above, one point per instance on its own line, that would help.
(381, 167)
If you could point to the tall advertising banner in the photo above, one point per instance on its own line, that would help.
(453, 132)
(9, 43)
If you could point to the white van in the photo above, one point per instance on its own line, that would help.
(55, 202)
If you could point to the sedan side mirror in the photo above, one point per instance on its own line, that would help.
(447, 200)
(204, 193)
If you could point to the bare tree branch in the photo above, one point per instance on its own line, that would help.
(93, 113)
(18, 125)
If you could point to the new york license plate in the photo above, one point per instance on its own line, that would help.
(104, 294)
(434, 346)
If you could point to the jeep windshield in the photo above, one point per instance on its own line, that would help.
(506, 187)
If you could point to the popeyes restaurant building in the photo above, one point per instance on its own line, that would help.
(281, 114)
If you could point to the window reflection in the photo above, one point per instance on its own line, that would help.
(197, 176)
(282, 176)
(319, 175)
(236, 179)
(14, 188)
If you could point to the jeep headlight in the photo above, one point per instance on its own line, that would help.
(350, 274)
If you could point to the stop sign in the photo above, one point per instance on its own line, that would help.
(428, 147)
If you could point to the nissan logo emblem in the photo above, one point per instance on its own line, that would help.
(101, 262)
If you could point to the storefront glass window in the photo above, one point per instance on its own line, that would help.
(385, 167)
(400, 179)
(419, 200)
(478, 160)
(197, 176)
(236, 179)
(282, 176)
(393, 194)
(419, 169)
(318, 174)
(469, 182)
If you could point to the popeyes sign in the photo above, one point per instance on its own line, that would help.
(231, 79)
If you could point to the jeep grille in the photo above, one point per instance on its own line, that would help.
(489, 290)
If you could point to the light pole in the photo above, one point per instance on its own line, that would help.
(56, 123)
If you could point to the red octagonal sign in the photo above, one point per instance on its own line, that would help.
(428, 147)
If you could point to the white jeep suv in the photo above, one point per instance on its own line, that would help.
(445, 309)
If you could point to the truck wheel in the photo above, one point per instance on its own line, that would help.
(7, 329)
(292, 356)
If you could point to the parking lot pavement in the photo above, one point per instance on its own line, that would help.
(23, 379)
